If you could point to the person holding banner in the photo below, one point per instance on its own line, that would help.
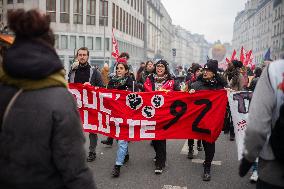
(196, 71)
(160, 80)
(41, 137)
(85, 74)
(209, 80)
(121, 81)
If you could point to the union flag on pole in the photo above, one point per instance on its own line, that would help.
(115, 52)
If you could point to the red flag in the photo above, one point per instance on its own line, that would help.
(242, 55)
(233, 55)
(248, 59)
(115, 52)
(227, 60)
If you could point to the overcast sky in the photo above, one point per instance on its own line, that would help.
(213, 18)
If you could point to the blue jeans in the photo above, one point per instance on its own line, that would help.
(121, 152)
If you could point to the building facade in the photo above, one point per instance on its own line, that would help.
(278, 29)
(260, 26)
(167, 35)
(89, 23)
(153, 16)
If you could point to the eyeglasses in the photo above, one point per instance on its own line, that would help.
(160, 66)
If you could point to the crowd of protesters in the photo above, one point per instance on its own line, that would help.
(32, 85)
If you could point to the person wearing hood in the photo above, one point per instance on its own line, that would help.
(160, 80)
(209, 80)
(41, 137)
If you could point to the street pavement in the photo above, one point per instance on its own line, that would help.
(180, 172)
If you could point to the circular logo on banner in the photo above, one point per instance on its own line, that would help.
(157, 101)
(148, 111)
(134, 101)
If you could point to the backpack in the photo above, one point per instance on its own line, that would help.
(277, 137)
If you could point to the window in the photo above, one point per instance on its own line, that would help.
(123, 21)
(131, 3)
(78, 11)
(90, 43)
(141, 6)
(113, 15)
(103, 13)
(120, 19)
(81, 42)
(138, 5)
(64, 42)
(10, 2)
(64, 11)
(91, 12)
(98, 43)
(135, 4)
(107, 44)
(20, 1)
(126, 23)
(73, 42)
(117, 11)
(56, 37)
(50, 9)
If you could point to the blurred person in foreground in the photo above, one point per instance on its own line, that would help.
(264, 136)
(41, 138)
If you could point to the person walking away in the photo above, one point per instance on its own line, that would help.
(41, 137)
(85, 74)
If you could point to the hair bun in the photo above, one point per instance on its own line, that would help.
(28, 23)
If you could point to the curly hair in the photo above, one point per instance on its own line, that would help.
(31, 24)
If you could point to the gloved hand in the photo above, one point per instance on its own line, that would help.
(244, 167)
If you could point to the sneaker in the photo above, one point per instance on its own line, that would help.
(91, 157)
(116, 171)
(158, 170)
(199, 148)
(126, 158)
(190, 154)
(232, 138)
(107, 142)
(206, 175)
(254, 177)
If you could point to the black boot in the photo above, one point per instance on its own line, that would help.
(116, 171)
(126, 158)
(206, 175)
(91, 157)
(190, 152)
(108, 141)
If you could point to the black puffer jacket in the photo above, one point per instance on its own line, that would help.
(41, 140)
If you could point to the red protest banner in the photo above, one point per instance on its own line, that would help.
(151, 115)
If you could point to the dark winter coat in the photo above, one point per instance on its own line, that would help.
(201, 84)
(41, 139)
(94, 76)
